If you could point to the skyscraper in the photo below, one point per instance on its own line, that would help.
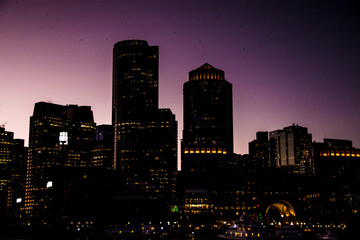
(60, 137)
(135, 89)
(208, 121)
(12, 171)
(291, 147)
(145, 137)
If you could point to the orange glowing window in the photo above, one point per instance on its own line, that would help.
(191, 150)
(208, 150)
(203, 150)
(357, 155)
(219, 150)
(337, 154)
(353, 154)
(186, 150)
(197, 150)
(224, 151)
(213, 150)
(332, 154)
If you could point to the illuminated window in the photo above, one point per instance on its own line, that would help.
(191, 150)
(63, 138)
(208, 150)
(197, 150)
(224, 151)
(213, 150)
(203, 150)
(186, 150)
(219, 150)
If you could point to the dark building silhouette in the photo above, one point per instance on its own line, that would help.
(103, 150)
(336, 158)
(207, 142)
(12, 172)
(135, 90)
(291, 148)
(259, 149)
(145, 137)
(60, 137)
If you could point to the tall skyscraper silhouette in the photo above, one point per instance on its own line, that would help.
(207, 142)
(135, 89)
(60, 137)
(145, 137)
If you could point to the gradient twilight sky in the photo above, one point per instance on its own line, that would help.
(289, 61)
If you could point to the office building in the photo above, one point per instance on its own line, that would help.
(145, 137)
(103, 150)
(207, 143)
(12, 172)
(291, 148)
(336, 158)
(259, 149)
(60, 137)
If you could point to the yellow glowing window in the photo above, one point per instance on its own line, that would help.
(197, 150)
(342, 154)
(203, 150)
(353, 154)
(186, 150)
(325, 154)
(332, 154)
(224, 151)
(191, 150)
(337, 154)
(219, 150)
(358, 155)
(347, 154)
(213, 150)
(208, 150)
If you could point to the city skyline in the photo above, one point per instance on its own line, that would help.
(61, 52)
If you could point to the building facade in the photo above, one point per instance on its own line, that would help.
(207, 142)
(259, 149)
(12, 172)
(145, 137)
(291, 148)
(60, 137)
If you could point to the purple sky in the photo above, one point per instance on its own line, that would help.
(289, 61)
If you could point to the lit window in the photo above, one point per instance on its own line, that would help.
(208, 150)
(197, 150)
(219, 150)
(191, 150)
(224, 151)
(213, 150)
(203, 150)
(186, 150)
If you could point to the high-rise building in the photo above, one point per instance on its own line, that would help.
(103, 150)
(291, 147)
(259, 149)
(207, 142)
(12, 172)
(60, 137)
(135, 89)
(145, 137)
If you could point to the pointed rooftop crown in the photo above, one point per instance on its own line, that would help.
(206, 72)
